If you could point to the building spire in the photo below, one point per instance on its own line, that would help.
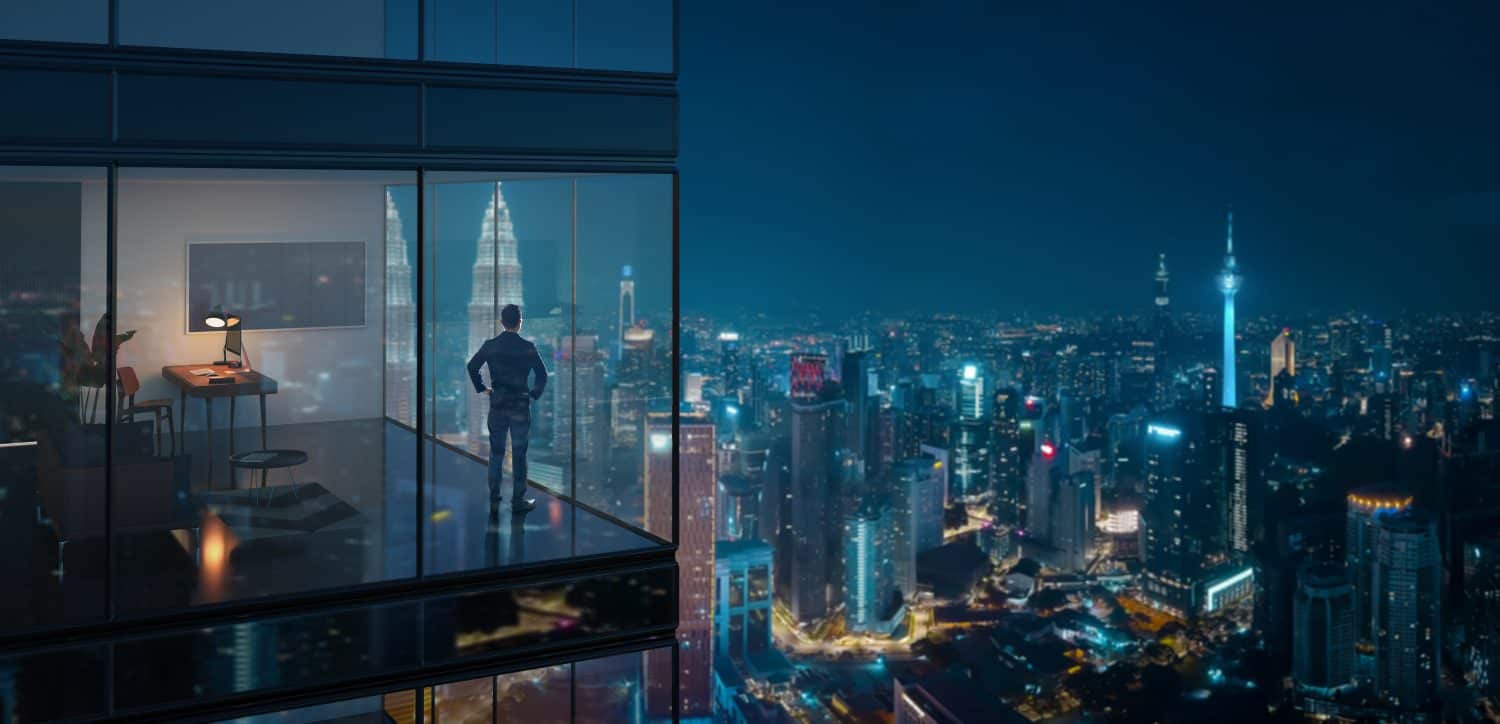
(1229, 236)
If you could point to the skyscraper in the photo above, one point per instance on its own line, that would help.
(1283, 359)
(1073, 521)
(1406, 591)
(1359, 550)
(868, 581)
(696, 465)
(1162, 332)
(1234, 441)
(1177, 522)
(400, 322)
(1005, 456)
(859, 383)
(1482, 614)
(917, 504)
(816, 504)
(625, 317)
(1229, 284)
(1323, 628)
(742, 613)
(729, 362)
(496, 283)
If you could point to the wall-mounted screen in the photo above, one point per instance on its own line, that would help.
(277, 284)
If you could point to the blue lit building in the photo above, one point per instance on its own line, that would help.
(869, 590)
(743, 571)
(1229, 285)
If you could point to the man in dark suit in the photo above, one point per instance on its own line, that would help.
(511, 359)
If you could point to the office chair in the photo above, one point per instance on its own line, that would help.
(159, 409)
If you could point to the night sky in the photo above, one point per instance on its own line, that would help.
(968, 156)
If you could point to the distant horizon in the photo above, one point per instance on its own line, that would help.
(964, 156)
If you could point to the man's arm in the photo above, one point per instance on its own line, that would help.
(475, 363)
(540, 370)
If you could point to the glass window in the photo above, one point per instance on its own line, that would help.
(261, 448)
(54, 343)
(592, 34)
(737, 589)
(353, 28)
(500, 239)
(760, 583)
(636, 36)
(625, 303)
(69, 21)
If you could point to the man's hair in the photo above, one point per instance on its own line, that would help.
(510, 316)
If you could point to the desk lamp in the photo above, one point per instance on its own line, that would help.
(218, 319)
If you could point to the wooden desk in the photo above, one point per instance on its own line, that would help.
(245, 383)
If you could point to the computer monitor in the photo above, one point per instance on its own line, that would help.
(234, 342)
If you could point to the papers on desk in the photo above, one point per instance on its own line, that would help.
(257, 457)
(202, 372)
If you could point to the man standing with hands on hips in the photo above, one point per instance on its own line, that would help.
(510, 359)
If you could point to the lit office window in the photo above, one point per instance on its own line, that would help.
(351, 28)
(53, 399)
(585, 34)
(65, 21)
(261, 448)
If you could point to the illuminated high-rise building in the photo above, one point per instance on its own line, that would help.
(969, 397)
(729, 362)
(816, 505)
(1482, 614)
(696, 479)
(496, 282)
(400, 322)
(860, 385)
(1406, 609)
(1179, 520)
(868, 585)
(579, 397)
(1006, 477)
(1162, 332)
(638, 361)
(917, 493)
(1283, 359)
(1323, 630)
(1234, 449)
(1359, 550)
(742, 611)
(970, 452)
(625, 317)
(1229, 285)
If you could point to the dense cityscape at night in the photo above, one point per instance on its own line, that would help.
(1147, 515)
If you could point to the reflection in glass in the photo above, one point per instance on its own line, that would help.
(292, 472)
(592, 34)
(68, 21)
(54, 342)
(353, 28)
(497, 239)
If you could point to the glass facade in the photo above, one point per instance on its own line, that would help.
(66, 21)
(354, 28)
(242, 452)
(278, 455)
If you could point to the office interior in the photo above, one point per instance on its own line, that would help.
(153, 478)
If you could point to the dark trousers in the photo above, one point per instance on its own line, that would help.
(513, 418)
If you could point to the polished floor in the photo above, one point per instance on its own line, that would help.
(347, 516)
